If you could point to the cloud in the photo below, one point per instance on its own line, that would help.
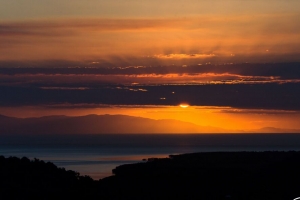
(64, 88)
(259, 96)
(259, 111)
(91, 105)
(67, 27)
(244, 72)
(183, 56)
(216, 38)
(87, 81)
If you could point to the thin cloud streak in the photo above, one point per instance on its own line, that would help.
(63, 81)
(65, 27)
(258, 111)
(52, 67)
(91, 74)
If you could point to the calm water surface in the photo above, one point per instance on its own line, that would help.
(97, 155)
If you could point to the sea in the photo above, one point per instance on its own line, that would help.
(97, 155)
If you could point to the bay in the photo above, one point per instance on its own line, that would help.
(97, 155)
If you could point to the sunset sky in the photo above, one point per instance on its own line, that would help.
(236, 64)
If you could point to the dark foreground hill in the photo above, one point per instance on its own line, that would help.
(223, 175)
(208, 176)
(36, 179)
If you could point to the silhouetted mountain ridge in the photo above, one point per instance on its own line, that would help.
(95, 124)
(100, 124)
(274, 130)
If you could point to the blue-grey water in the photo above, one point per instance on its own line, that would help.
(97, 155)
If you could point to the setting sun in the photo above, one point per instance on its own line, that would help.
(184, 105)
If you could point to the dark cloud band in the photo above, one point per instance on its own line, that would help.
(267, 96)
(283, 70)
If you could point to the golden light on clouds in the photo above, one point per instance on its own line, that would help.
(215, 37)
(183, 56)
(144, 79)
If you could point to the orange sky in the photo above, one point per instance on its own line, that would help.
(223, 38)
(221, 117)
(136, 43)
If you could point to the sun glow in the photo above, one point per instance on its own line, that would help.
(184, 105)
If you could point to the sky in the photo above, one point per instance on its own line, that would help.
(235, 63)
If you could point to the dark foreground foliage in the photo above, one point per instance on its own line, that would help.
(36, 179)
(208, 176)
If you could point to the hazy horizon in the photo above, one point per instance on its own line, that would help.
(115, 124)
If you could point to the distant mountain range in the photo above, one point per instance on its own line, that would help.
(99, 124)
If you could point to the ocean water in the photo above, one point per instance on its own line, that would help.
(97, 155)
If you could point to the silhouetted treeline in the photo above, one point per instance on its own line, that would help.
(36, 179)
(207, 176)
(226, 175)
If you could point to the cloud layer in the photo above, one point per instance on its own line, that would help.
(268, 86)
(219, 39)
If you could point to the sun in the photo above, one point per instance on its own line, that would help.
(184, 105)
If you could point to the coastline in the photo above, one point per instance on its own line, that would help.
(210, 175)
(97, 155)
